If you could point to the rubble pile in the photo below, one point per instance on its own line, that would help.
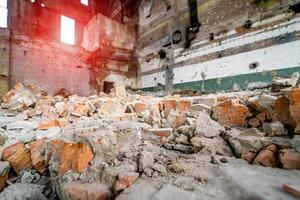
(131, 146)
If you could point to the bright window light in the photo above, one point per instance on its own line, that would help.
(67, 34)
(85, 2)
(3, 13)
(3, 3)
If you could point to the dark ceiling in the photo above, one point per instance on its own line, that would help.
(117, 9)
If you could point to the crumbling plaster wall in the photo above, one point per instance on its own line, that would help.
(4, 61)
(112, 45)
(227, 53)
(38, 56)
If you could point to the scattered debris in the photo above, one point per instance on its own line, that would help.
(106, 146)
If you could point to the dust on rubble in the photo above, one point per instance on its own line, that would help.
(140, 146)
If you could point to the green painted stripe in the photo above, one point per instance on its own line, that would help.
(227, 83)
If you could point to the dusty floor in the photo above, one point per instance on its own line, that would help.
(242, 145)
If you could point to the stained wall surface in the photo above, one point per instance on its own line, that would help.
(239, 41)
(4, 61)
(38, 56)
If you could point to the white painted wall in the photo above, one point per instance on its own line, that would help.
(272, 58)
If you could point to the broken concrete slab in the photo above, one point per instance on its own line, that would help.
(4, 171)
(146, 160)
(274, 129)
(21, 125)
(295, 142)
(214, 146)
(20, 191)
(207, 127)
(245, 141)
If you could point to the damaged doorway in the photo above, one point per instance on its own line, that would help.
(108, 86)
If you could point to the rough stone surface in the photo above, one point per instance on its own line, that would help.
(214, 145)
(207, 127)
(146, 160)
(245, 141)
(136, 156)
(274, 129)
(21, 191)
(296, 143)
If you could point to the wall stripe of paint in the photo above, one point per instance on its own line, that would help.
(226, 84)
(271, 32)
(277, 57)
(272, 58)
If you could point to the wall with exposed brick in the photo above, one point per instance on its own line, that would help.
(38, 56)
(238, 42)
(4, 60)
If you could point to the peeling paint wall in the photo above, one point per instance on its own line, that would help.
(234, 36)
(112, 45)
(104, 52)
(4, 61)
(36, 53)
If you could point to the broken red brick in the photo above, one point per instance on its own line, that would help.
(231, 113)
(292, 189)
(184, 106)
(18, 157)
(289, 159)
(51, 124)
(125, 180)
(140, 107)
(282, 112)
(168, 106)
(37, 152)
(176, 120)
(107, 106)
(49, 112)
(266, 157)
(261, 117)
(249, 157)
(253, 122)
(161, 132)
(80, 110)
(87, 191)
(8, 95)
(294, 97)
(74, 157)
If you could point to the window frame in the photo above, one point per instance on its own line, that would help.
(84, 2)
(4, 12)
(65, 31)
